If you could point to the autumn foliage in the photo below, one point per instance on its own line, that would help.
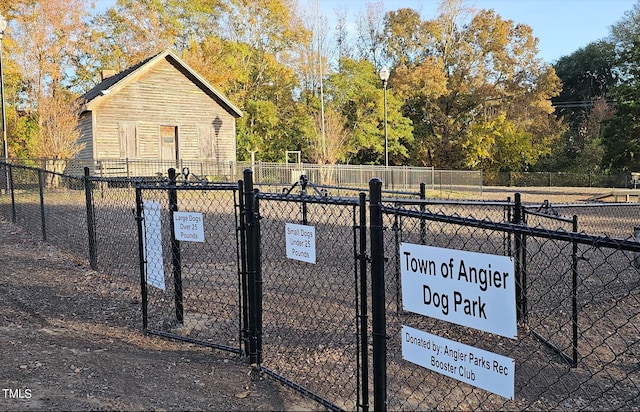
(467, 88)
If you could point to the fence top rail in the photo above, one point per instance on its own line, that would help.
(132, 179)
(418, 202)
(549, 215)
(594, 204)
(343, 188)
(364, 167)
(166, 185)
(38, 169)
(581, 238)
(347, 201)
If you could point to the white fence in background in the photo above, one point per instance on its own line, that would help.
(394, 178)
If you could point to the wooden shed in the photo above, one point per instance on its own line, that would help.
(159, 113)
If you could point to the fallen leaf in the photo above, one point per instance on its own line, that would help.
(242, 395)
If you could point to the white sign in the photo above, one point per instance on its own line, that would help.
(153, 244)
(301, 242)
(188, 226)
(466, 288)
(486, 370)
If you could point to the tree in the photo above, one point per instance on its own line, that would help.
(336, 137)
(587, 76)
(476, 68)
(44, 47)
(133, 30)
(342, 41)
(46, 35)
(56, 137)
(13, 84)
(621, 135)
(499, 145)
(357, 92)
(371, 37)
(405, 36)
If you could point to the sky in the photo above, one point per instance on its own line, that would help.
(562, 26)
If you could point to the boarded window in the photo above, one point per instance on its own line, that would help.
(205, 141)
(128, 133)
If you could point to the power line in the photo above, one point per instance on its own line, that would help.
(578, 104)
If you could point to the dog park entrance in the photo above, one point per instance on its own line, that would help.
(307, 287)
(191, 282)
(277, 277)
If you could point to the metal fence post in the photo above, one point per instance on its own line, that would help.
(142, 257)
(303, 193)
(423, 223)
(42, 216)
(574, 294)
(253, 248)
(364, 337)
(242, 255)
(378, 305)
(258, 277)
(521, 281)
(636, 255)
(91, 225)
(175, 248)
(14, 213)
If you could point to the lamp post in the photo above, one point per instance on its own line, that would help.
(384, 76)
(5, 146)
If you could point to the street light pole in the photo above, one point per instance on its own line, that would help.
(5, 146)
(384, 76)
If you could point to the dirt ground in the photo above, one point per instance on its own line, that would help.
(71, 339)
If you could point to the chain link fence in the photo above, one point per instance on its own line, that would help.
(329, 324)
(578, 301)
(47, 204)
(559, 179)
(90, 217)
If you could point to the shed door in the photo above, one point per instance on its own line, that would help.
(169, 142)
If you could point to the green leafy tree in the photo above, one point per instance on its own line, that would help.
(621, 135)
(357, 91)
(587, 76)
(500, 145)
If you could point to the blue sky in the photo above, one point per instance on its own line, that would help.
(562, 26)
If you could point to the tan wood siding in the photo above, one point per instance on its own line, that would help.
(163, 96)
(85, 127)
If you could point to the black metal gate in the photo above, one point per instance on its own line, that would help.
(313, 294)
(557, 287)
(290, 293)
(190, 261)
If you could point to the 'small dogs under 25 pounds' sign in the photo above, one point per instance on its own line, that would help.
(466, 288)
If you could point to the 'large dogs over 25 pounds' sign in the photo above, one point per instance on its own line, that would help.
(466, 288)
